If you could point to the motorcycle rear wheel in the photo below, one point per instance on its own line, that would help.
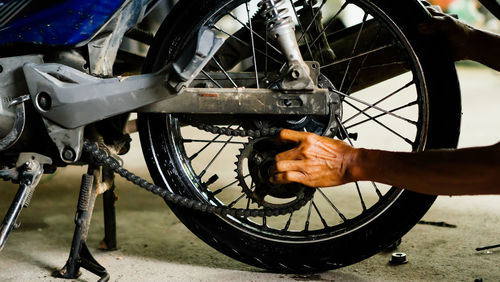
(310, 239)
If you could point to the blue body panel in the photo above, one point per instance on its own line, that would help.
(66, 23)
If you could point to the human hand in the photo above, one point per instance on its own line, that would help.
(316, 161)
(457, 33)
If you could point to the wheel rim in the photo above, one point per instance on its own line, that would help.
(331, 213)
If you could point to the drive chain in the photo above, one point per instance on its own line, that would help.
(104, 159)
(257, 133)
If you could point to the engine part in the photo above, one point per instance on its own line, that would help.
(12, 85)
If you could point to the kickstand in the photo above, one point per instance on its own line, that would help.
(80, 255)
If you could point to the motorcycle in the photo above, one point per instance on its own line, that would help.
(220, 79)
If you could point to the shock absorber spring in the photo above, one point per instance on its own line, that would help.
(282, 28)
(276, 15)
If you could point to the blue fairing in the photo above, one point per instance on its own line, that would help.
(66, 23)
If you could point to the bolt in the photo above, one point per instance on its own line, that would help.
(68, 154)
(258, 159)
(295, 74)
(287, 102)
(44, 101)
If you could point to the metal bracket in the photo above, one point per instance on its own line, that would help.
(69, 142)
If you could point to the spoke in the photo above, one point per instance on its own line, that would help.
(302, 29)
(224, 71)
(381, 100)
(193, 156)
(327, 25)
(246, 44)
(346, 133)
(342, 216)
(379, 194)
(358, 55)
(383, 114)
(253, 47)
(222, 189)
(248, 203)
(320, 216)
(228, 185)
(360, 196)
(266, 57)
(306, 227)
(372, 106)
(236, 201)
(208, 144)
(385, 65)
(215, 157)
(287, 225)
(211, 79)
(381, 124)
(353, 50)
(212, 141)
(264, 221)
(255, 33)
(360, 67)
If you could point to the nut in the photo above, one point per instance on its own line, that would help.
(398, 258)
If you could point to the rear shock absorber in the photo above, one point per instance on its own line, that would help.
(281, 27)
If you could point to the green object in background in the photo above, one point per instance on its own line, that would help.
(466, 11)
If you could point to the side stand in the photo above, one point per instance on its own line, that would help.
(80, 255)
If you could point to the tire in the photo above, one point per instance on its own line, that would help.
(254, 241)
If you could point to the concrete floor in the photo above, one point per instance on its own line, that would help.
(155, 246)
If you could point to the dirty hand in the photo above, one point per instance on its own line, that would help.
(316, 161)
(457, 33)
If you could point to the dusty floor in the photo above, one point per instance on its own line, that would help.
(155, 246)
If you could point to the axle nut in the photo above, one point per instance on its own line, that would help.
(398, 258)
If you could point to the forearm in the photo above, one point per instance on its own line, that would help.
(483, 47)
(443, 172)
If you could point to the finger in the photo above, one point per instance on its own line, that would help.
(287, 135)
(288, 177)
(288, 165)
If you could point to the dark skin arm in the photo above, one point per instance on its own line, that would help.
(465, 42)
(322, 162)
